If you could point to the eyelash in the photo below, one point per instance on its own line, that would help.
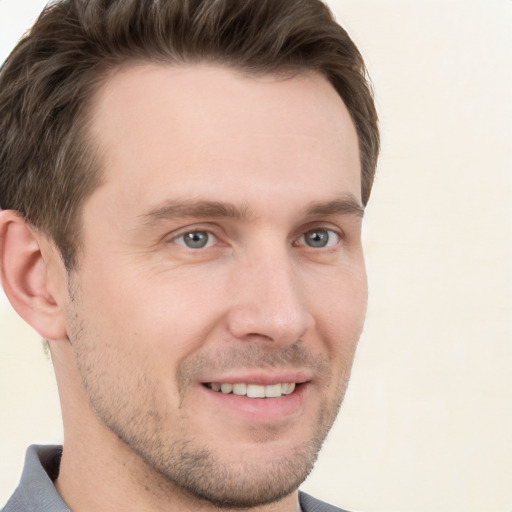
(208, 243)
(211, 238)
(329, 244)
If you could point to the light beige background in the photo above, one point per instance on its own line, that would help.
(427, 423)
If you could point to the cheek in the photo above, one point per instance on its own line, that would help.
(340, 311)
(162, 318)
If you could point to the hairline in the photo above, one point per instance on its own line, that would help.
(94, 148)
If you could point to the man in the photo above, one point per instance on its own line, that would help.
(182, 189)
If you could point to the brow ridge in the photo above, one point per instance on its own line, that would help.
(347, 205)
(196, 209)
(174, 209)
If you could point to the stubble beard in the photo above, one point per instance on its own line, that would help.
(179, 462)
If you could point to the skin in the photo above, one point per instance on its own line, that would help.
(256, 166)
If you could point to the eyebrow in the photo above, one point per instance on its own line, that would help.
(347, 205)
(170, 210)
(196, 209)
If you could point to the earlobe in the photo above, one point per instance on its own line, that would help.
(24, 275)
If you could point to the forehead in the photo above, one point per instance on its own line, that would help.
(173, 129)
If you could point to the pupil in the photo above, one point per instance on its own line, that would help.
(196, 240)
(317, 238)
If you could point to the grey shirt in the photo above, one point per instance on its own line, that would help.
(36, 492)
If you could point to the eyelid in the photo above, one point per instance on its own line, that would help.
(212, 239)
(194, 228)
(213, 233)
(320, 227)
(191, 228)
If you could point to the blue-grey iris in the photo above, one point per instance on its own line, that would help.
(317, 238)
(196, 239)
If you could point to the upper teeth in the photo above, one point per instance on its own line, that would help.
(254, 390)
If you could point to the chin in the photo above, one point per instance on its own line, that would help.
(247, 483)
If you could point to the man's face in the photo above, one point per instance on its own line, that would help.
(222, 250)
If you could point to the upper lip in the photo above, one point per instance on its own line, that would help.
(262, 378)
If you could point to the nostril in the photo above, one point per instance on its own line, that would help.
(255, 335)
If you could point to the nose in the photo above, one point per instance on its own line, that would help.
(268, 302)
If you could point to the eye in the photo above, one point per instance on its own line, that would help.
(195, 239)
(319, 238)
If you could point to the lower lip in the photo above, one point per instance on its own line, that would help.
(261, 410)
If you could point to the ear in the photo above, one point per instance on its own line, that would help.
(25, 256)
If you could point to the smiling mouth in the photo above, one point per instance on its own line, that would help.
(253, 390)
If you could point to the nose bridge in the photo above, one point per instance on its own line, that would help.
(269, 302)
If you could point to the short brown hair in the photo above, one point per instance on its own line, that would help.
(48, 165)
